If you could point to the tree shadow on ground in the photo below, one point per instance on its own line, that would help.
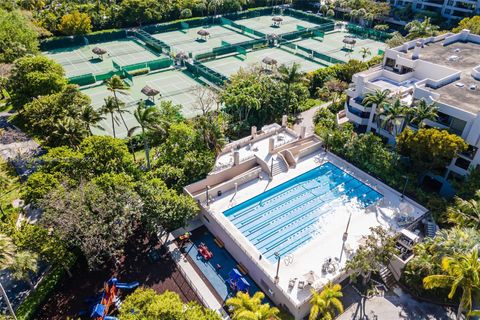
(69, 299)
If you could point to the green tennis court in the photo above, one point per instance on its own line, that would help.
(232, 64)
(81, 60)
(175, 86)
(264, 24)
(189, 41)
(332, 45)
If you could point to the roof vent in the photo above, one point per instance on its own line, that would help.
(457, 50)
(473, 87)
(453, 58)
(460, 84)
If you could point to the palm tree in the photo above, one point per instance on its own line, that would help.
(423, 111)
(24, 263)
(376, 99)
(365, 52)
(244, 307)
(290, 76)
(68, 130)
(7, 251)
(395, 114)
(327, 302)
(7, 258)
(110, 107)
(90, 117)
(466, 213)
(147, 118)
(116, 85)
(417, 29)
(462, 270)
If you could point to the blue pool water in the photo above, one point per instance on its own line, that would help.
(285, 217)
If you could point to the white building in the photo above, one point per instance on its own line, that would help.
(281, 205)
(451, 9)
(443, 69)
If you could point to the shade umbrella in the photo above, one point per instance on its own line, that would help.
(269, 61)
(150, 92)
(311, 277)
(276, 21)
(181, 56)
(349, 41)
(99, 52)
(203, 33)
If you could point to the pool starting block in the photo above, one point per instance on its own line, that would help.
(242, 269)
(219, 242)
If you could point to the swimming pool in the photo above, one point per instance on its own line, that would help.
(286, 217)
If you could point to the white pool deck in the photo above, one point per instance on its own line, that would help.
(328, 244)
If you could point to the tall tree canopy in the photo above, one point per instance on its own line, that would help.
(98, 217)
(75, 23)
(34, 76)
(430, 149)
(17, 36)
(147, 304)
(43, 115)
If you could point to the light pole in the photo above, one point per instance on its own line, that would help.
(7, 301)
(404, 187)
(277, 256)
(345, 234)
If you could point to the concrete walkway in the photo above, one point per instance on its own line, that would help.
(306, 119)
(193, 278)
(394, 305)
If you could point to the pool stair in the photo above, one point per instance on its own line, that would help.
(279, 166)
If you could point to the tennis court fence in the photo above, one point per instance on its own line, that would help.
(243, 28)
(73, 41)
(201, 70)
(314, 53)
(368, 33)
(150, 41)
(232, 48)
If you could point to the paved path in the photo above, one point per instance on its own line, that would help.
(13, 142)
(307, 119)
(394, 305)
(194, 279)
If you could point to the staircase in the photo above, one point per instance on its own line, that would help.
(279, 166)
(430, 229)
(387, 278)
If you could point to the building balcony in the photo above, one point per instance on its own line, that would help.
(357, 116)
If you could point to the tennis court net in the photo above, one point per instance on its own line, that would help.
(166, 94)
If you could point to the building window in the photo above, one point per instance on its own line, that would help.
(448, 11)
(455, 125)
(470, 153)
(359, 113)
(462, 163)
(450, 3)
(389, 62)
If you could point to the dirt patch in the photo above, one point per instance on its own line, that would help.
(71, 296)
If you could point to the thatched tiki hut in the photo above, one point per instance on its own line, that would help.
(269, 63)
(349, 42)
(99, 52)
(181, 57)
(203, 34)
(272, 39)
(277, 21)
(150, 92)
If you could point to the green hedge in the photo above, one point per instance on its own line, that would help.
(72, 41)
(29, 307)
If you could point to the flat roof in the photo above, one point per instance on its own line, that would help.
(460, 56)
(328, 242)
